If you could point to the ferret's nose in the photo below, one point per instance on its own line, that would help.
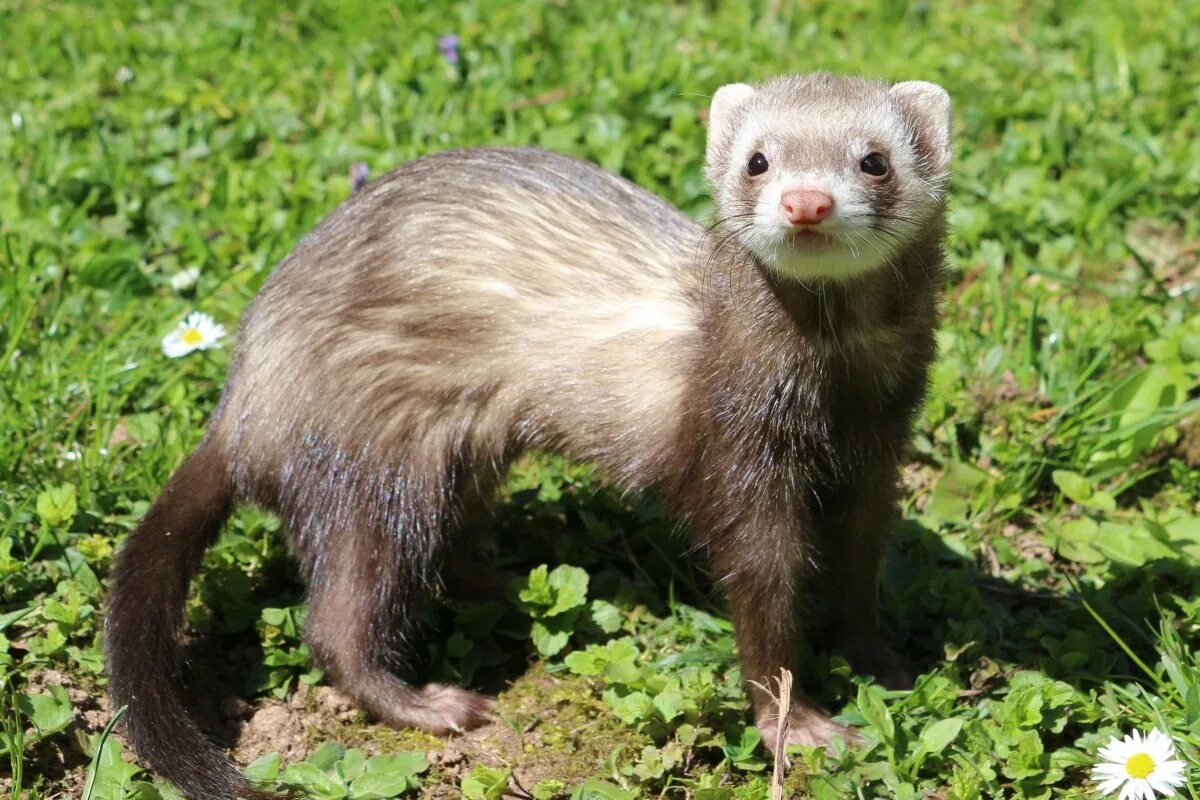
(806, 206)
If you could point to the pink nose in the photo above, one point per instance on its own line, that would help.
(806, 206)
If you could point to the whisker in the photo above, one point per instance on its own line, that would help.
(886, 260)
(730, 249)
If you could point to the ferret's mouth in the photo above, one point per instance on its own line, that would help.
(809, 239)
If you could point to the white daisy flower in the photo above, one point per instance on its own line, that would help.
(185, 278)
(197, 332)
(1140, 766)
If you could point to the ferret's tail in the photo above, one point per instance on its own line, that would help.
(146, 605)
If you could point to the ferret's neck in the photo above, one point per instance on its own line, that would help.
(834, 366)
(744, 299)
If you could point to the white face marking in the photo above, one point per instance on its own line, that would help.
(820, 144)
(844, 245)
(840, 247)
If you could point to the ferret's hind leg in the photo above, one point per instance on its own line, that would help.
(464, 576)
(367, 584)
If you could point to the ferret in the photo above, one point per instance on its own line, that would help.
(759, 377)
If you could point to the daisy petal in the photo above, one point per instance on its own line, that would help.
(173, 346)
(1139, 789)
(1110, 753)
(1161, 786)
(1109, 771)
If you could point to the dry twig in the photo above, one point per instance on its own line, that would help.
(783, 702)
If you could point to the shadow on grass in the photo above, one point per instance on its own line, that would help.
(938, 608)
(944, 607)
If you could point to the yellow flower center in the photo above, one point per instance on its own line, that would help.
(192, 336)
(1139, 766)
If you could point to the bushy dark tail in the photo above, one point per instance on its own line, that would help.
(145, 611)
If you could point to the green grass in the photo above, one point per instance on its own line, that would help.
(1044, 581)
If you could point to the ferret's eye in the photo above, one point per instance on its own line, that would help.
(874, 164)
(758, 164)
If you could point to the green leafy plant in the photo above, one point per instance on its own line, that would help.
(554, 600)
(332, 772)
(486, 783)
(286, 657)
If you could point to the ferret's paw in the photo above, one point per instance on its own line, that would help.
(807, 726)
(448, 709)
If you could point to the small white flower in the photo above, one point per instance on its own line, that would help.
(197, 332)
(185, 278)
(17, 120)
(74, 453)
(124, 74)
(1139, 766)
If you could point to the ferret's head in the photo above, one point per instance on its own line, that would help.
(823, 177)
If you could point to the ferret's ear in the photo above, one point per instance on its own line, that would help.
(926, 107)
(720, 116)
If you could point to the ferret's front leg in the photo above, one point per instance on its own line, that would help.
(853, 537)
(762, 563)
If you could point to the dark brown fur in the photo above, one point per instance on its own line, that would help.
(476, 304)
(790, 459)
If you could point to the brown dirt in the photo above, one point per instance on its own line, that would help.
(1188, 445)
(1029, 544)
(1162, 246)
(61, 761)
(918, 480)
(545, 727)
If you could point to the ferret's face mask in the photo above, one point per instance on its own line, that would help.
(828, 178)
